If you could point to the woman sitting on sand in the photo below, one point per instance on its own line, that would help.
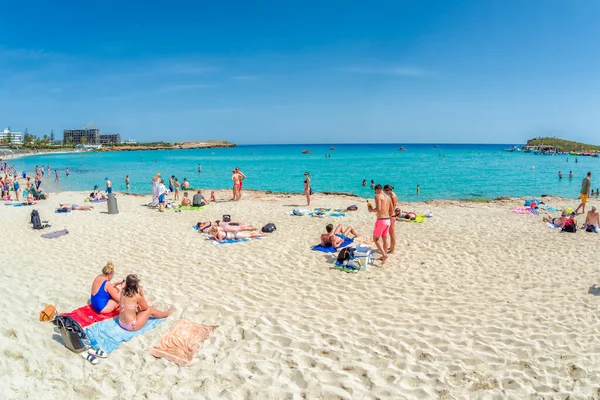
(220, 235)
(105, 296)
(204, 227)
(186, 201)
(135, 311)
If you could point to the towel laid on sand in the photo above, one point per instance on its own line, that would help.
(549, 209)
(62, 211)
(330, 249)
(551, 225)
(55, 234)
(86, 315)
(419, 218)
(18, 204)
(110, 335)
(231, 241)
(187, 208)
(525, 211)
(97, 201)
(181, 343)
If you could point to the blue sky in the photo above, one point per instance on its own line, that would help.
(304, 72)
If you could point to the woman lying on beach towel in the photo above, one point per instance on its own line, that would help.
(135, 311)
(76, 207)
(105, 296)
(220, 235)
(404, 215)
(204, 227)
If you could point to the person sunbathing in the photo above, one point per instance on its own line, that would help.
(186, 201)
(592, 220)
(558, 221)
(135, 311)
(29, 199)
(336, 237)
(204, 227)
(76, 207)
(97, 195)
(405, 215)
(105, 295)
(220, 235)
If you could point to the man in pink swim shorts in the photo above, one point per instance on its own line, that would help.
(384, 209)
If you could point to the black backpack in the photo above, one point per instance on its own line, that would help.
(345, 254)
(569, 228)
(71, 332)
(35, 220)
(268, 228)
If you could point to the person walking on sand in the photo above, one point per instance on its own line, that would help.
(127, 182)
(307, 188)
(388, 189)
(584, 193)
(384, 209)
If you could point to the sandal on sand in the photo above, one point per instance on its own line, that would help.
(91, 358)
(97, 353)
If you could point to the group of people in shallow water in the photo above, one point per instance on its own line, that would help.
(126, 295)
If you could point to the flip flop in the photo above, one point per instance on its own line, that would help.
(97, 353)
(91, 358)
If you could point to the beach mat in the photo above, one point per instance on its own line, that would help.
(187, 208)
(55, 234)
(330, 249)
(18, 204)
(181, 343)
(524, 211)
(419, 219)
(110, 335)
(86, 315)
(232, 241)
(551, 225)
(96, 201)
(60, 211)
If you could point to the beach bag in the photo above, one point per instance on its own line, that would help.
(48, 313)
(35, 220)
(569, 228)
(226, 218)
(71, 332)
(268, 228)
(345, 255)
(353, 207)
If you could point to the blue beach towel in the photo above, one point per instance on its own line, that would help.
(61, 211)
(549, 209)
(98, 201)
(337, 214)
(110, 335)
(330, 249)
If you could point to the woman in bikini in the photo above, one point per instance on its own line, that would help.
(220, 235)
(135, 311)
(307, 189)
(105, 295)
(204, 227)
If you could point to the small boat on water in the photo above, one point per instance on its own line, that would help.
(332, 148)
(513, 149)
(305, 151)
(402, 149)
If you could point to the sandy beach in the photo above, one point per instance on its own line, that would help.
(477, 302)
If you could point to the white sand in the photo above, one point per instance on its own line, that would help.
(478, 302)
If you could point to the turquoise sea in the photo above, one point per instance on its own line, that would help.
(451, 171)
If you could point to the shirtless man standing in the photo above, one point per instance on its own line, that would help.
(592, 219)
(384, 209)
(388, 189)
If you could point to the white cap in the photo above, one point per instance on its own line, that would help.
(593, 207)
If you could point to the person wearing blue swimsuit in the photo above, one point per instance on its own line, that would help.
(105, 296)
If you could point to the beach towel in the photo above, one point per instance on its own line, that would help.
(549, 209)
(551, 225)
(17, 204)
(525, 211)
(55, 234)
(187, 208)
(110, 335)
(419, 218)
(330, 249)
(231, 241)
(86, 315)
(181, 343)
(346, 268)
(97, 201)
(62, 211)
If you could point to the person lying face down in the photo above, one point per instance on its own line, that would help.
(65, 206)
(405, 215)
(335, 237)
(204, 227)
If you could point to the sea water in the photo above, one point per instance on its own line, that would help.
(458, 171)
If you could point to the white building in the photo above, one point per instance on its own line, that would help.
(15, 137)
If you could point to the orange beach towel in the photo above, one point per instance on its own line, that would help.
(181, 343)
